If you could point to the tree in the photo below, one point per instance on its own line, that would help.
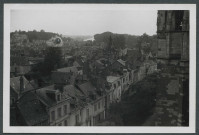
(42, 31)
(53, 60)
(134, 109)
(119, 41)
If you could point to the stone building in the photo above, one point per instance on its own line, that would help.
(116, 88)
(173, 35)
(173, 62)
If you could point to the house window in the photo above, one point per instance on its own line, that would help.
(65, 109)
(66, 123)
(95, 107)
(103, 103)
(81, 113)
(59, 112)
(77, 118)
(53, 115)
(87, 112)
(98, 105)
(118, 83)
(114, 86)
(59, 97)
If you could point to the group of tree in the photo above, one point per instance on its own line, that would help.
(147, 43)
(36, 35)
(117, 40)
(120, 41)
(135, 108)
(53, 59)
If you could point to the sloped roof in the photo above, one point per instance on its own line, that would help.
(68, 69)
(79, 68)
(112, 79)
(35, 60)
(151, 62)
(19, 60)
(60, 77)
(81, 77)
(42, 95)
(125, 50)
(87, 88)
(133, 52)
(20, 69)
(122, 62)
(68, 57)
(100, 61)
(79, 62)
(15, 84)
(32, 109)
(72, 91)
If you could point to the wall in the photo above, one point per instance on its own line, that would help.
(63, 117)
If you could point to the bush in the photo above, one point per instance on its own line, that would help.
(134, 110)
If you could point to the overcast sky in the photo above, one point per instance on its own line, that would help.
(86, 22)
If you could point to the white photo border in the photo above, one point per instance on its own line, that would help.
(101, 129)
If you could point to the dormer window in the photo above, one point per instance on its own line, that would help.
(65, 109)
(59, 112)
(178, 19)
(118, 83)
(59, 97)
(114, 86)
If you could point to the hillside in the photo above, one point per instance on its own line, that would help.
(120, 41)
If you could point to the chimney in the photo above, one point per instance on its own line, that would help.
(59, 87)
(21, 86)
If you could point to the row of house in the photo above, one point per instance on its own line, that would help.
(74, 99)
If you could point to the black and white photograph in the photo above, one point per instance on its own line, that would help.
(99, 66)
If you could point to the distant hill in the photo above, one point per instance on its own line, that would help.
(129, 41)
(36, 35)
(118, 40)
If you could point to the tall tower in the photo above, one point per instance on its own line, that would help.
(173, 36)
(173, 61)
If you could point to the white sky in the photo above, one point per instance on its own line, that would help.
(85, 22)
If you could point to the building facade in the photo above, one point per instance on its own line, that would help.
(173, 61)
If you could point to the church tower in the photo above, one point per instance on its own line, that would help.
(173, 62)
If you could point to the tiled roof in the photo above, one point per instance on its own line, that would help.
(72, 91)
(68, 69)
(112, 79)
(79, 62)
(60, 77)
(122, 62)
(87, 88)
(42, 95)
(19, 60)
(31, 109)
(20, 69)
(15, 84)
(35, 60)
(102, 61)
(81, 77)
